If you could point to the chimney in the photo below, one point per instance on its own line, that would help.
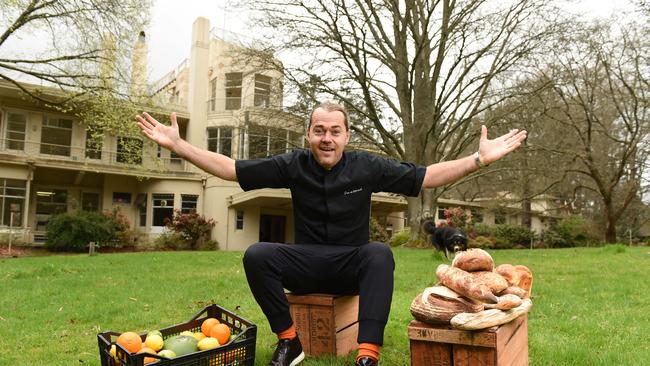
(138, 87)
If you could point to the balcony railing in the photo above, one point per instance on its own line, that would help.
(75, 154)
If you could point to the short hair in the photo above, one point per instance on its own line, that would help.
(330, 107)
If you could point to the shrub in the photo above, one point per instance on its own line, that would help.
(483, 230)
(482, 242)
(171, 240)
(458, 217)
(401, 237)
(378, 232)
(122, 234)
(508, 236)
(192, 227)
(569, 232)
(73, 232)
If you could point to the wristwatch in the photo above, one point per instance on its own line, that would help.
(477, 160)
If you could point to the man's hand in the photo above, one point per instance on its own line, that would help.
(164, 136)
(492, 150)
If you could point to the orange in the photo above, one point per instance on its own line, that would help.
(207, 325)
(130, 341)
(221, 332)
(148, 359)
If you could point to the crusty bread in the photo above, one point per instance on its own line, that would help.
(472, 260)
(438, 304)
(493, 280)
(519, 276)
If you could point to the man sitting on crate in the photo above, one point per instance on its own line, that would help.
(331, 192)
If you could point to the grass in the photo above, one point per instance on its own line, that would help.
(590, 304)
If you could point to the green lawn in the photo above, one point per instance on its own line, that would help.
(591, 305)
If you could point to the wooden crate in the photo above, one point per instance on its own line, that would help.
(326, 324)
(506, 345)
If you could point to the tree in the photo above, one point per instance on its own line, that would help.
(431, 66)
(601, 103)
(83, 46)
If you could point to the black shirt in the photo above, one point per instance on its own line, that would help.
(331, 206)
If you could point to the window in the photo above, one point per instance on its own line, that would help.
(12, 199)
(90, 201)
(141, 202)
(441, 213)
(56, 136)
(213, 95)
(220, 140)
(188, 203)
(262, 91)
(233, 90)
(94, 143)
(121, 197)
(239, 220)
(163, 208)
(49, 202)
(499, 218)
(129, 150)
(477, 216)
(258, 139)
(16, 126)
(173, 157)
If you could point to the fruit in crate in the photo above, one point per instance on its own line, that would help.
(207, 325)
(167, 353)
(150, 351)
(221, 332)
(208, 343)
(154, 341)
(130, 341)
(181, 344)
(199, 336)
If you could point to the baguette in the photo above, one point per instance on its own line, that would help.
(489, 318)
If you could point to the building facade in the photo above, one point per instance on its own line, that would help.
(225, 102)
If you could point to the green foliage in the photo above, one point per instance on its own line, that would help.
(483, 230)
(192, 227)
(73, 232)
(482, 242)
(378, 232)
(507, 236)
(569, 232)
(401, 237)
(171, 241)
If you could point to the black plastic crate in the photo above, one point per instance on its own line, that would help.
(239, 351)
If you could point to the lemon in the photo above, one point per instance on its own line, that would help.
(114, 352)
(187, 333)
(155, 332)
(208, 343)
(199, 336)
(155, 342)
(167, 353)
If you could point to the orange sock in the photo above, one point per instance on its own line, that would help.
(289, 333)
(370, 350)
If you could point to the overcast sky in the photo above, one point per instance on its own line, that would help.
(170, 31)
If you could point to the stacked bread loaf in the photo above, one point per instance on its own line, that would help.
(473, 294)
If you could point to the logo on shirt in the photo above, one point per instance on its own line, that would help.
(353, 191)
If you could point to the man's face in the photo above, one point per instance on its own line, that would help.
(327, 137)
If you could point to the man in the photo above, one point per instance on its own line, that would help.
(331, 192)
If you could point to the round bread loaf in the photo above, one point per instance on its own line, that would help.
(473, 259)
(438, 304)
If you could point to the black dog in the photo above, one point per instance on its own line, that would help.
(445, 239)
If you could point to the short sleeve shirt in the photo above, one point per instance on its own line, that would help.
(331, 206)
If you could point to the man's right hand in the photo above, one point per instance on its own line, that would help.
(164, 136)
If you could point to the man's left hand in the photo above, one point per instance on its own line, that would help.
(492, 150)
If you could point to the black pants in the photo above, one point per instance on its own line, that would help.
(366, 270)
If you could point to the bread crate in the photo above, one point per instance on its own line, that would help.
(505, 345)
